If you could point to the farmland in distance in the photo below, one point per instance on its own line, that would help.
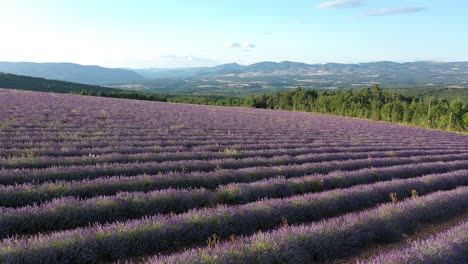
(92, 180)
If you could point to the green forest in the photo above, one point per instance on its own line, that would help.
(375, 104)
(371, 103)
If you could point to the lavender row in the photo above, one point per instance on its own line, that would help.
(333, 238)
(283, 187)
(71, 140)
(18, 176)
(37, 131)
(204, 137)
(450, 246)
(70, 212)
(118, 133)
(124, 148)
(25, 194)
(92, 134)
(164, 137)
(124, 130)
(159, 233)
(43, 162)
(39, 162)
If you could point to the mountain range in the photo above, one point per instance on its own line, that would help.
(235, 79)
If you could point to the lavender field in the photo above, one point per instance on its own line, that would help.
(101, 180)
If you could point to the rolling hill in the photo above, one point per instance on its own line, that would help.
(19, 82)
(71, 72)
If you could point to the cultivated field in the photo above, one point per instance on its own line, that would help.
(89, 179)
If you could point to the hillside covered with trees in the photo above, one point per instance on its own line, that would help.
(373, 103)
(20, 82)
(439, 92)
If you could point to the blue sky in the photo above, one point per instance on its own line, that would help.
(173, 33)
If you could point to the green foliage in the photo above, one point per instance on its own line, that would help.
(439, 92)
(373, 103)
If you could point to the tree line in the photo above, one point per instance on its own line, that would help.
(372, 103)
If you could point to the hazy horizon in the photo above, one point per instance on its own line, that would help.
(247, 64)
(174, 34)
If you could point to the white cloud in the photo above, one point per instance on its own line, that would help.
(232, 45)
(395, 11)
(339, 4)
(235, 45)
(248, 45)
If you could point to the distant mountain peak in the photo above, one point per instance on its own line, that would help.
(230, 64)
